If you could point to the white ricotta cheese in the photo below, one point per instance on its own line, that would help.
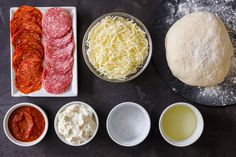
(76, 124)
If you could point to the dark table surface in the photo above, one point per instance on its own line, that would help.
(149, 90)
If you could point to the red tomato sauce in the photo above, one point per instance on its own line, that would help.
(26, 124)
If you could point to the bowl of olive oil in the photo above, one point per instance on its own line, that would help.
(181, 124)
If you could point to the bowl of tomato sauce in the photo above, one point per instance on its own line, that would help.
(25, 124)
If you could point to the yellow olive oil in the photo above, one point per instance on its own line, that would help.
(178, 123)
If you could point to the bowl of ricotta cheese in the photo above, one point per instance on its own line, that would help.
(76, 123)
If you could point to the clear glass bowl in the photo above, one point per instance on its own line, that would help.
(142, 67)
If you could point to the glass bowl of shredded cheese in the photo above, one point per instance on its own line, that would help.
(117, 47)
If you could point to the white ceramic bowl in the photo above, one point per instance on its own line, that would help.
(128, 124)
(62, 109)
(197, 132)
(146, 61)
(6, 129)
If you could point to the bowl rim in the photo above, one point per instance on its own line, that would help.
(147, 120)
(147, 59)
(9, 135)
(62, 109)
(197, 132)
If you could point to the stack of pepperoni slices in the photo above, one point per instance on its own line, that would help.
(59, 47)
(26, 33)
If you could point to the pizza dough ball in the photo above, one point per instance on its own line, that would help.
(199, 50)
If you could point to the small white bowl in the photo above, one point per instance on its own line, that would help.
(6, 129)
(62, 109)
(128, 124)
(197, 132)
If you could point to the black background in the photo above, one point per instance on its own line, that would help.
(219, 135)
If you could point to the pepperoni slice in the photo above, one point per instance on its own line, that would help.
(56, 22)
(29, 76)
(63, 53)
(26, 8)
(60, 42)
(31, 26)
(26, 32)
(25, 17)
(22, 16)
(24, 54)
(56, 83)
(25, 36)
(29, 45)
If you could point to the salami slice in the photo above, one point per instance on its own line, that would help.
(56, 83)
(59, 65)
(59, 47)
(60, 42)
(25, 36)
(29, 76)
(63, 53)
(31, 26)
(56, 22)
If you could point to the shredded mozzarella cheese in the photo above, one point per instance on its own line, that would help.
(117, 47)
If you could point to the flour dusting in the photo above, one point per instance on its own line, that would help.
(176, 9)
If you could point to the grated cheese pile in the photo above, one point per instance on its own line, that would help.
(117, 47)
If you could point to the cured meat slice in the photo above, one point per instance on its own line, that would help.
(56, 83)
(29, 45)
(30, 9)
(63, 53)
(24, 54)
(60, 42)
(56, 22)
(59, 46)
(31, 26)
(26, 33)
(25, 36)
(59, 65)
(29, 76)
(23, 15)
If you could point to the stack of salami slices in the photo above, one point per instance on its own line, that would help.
(26, 33)
(59, 47)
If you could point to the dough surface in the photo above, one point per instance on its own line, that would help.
(199, 49)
